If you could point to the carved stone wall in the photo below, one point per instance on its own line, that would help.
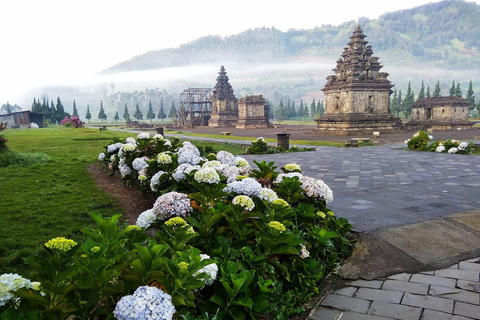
(252, 113)
(441, 113)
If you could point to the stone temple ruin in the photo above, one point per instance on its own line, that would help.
(357, 96)
(440, 113)
(220, 108)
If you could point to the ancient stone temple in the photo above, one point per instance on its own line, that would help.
(252, 113)
(440, 113)
(224, 111)
(357, 95)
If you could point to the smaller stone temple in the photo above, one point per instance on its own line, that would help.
(357, 96)
(252, 113)
(440, 113)
(224, 110)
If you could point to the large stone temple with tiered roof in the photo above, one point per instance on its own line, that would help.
(224, 112)
(357, 95)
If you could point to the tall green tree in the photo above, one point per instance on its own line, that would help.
(408, 101)
(313, 108)
(150, 113)
(138, 114)
(470, 97)
(437, 90)
(75, 111)
(173, 111)
(88, 116)
(53, 113)
(301, 110)
(116, 117)
(428, 95)
(126, 115)
(9, 110)
(394, 106)
(161, 113)
(458, 91)
(452, 89)
(101, 114)
(320, 108)
(421, 93)
(61, 114)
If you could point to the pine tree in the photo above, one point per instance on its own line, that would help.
(394, 109)
(452, 89)
(428, 92)
(313, 108)
(101, 114)
(126, 115)
(116, 117)
(150, 113)
(138, 114)
(399, 102)
(161, 113)
(437, 91)
(88, 116)
(458, 91)
(421, 94)
(470, 97)
(45, 107)
(301, 110)
(408, 101)
(60, 113)
(75, 111)
(173, 112)
(280, 111)
(53, 112)
(320, 108)
(9, 110)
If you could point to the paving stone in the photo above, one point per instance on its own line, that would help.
(468, 285)
(401, 276)
(455, 294)
(347, 291)
(473, 266)
(428, 302)
(375, 284)
(379, 295)
(326, 314)
(403, 286)
(349, 315)
(435, 280)
(436, 315)
(467, 310)
(395, 311)
(458, 274)
(428, 272)
(346, 303)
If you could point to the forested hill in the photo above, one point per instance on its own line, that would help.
(445, 34)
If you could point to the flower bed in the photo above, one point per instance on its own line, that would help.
(422, 141)
(260, 146)
(223, 241)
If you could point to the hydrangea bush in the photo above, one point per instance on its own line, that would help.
(223, 240)
(422, 141)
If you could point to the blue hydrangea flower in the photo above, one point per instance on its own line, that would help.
(147, 303)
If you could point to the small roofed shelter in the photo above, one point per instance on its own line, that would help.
(224, 112)
(357, 95)
(252, 112)
(22, 119)
(440, 113)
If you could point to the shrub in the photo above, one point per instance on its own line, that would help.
(3, 141)
(73, 121)
(420, 142)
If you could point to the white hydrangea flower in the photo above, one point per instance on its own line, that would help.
(146, 303)
(143, 136)
(168, 143)
(210, 269)
(212, 164)
(406, 141)
(440, 149)
(101, 156)
(158, 136)
(462, 146)
(304, 252)
(230, 172)
(128, 147)
(244, 201)
(267, 194)
(288, 175)
(292, 167)
(139, 164)
(242, 162)
(130, 140)
(172, 204)
(164, 158)
(313, 188)
(146, 218)
(155, 180)
(226, 158)
(430, 137)
(416, 135)
(183, 168)
(114, 147)
(187, 156)
(188, 146)
(247, 186)
(11, 282)
(124, 170)
(207, 175)
(452, 150)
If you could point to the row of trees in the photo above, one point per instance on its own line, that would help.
(289, 111)
(137, 115)
(400, 106)
(53, 113)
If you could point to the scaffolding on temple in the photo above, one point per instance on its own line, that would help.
(194, 108)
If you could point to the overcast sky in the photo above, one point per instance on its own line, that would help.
(49, 41)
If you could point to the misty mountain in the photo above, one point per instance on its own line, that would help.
(443, 35)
